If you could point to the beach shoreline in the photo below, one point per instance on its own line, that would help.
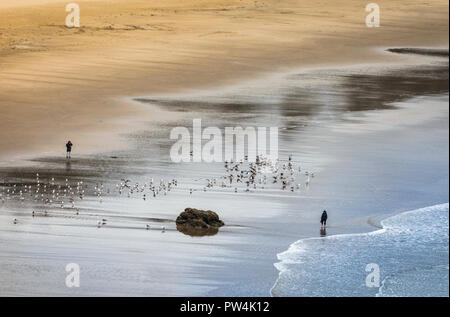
(288, 257)
(348, 110)
(46, 67)
(239, 260)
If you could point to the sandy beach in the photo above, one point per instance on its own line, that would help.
(362, 111)
(57, 82)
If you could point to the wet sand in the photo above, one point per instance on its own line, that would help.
(58, 83)
(375, 136)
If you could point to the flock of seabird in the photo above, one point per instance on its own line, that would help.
(239, 176)
(248, 176)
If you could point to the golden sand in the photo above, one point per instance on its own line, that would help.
(58, 83)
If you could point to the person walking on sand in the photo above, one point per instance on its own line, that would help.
(69, 149)
(323, 219)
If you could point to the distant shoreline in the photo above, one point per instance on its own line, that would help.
(420, 51)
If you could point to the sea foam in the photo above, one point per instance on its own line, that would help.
(411, 251)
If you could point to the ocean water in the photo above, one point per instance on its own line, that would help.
(411, 251)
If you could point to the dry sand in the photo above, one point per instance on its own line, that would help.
(58, 83)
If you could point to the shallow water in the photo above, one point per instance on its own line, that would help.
(341, 124)
(411, 252)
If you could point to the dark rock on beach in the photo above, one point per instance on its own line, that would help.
(195, 222)
(197, 232)
(199, 218)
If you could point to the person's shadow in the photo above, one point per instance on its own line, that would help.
(323, 232)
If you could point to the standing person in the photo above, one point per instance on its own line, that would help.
(69, 149)
(323, 219)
